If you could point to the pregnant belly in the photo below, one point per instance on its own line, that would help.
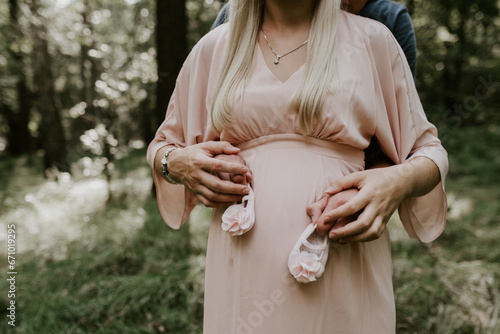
(290, 172)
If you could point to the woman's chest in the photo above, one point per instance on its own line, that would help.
(348, 115)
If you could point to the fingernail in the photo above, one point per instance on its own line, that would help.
(246, 190)
(332, 189)
(333, 236)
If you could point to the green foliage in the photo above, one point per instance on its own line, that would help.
(457, 43)
(113, 288)
(202, 14)
(110, 281)
(471, 154)
(105, 73)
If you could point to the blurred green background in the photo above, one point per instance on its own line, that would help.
(78, 106)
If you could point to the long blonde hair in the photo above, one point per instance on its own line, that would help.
(322, 70)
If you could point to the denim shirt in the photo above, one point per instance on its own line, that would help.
(394, 15)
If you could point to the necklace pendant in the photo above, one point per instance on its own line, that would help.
(278, 57)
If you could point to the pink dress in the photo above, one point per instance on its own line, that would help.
(248, 288)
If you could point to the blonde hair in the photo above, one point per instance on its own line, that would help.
(322, 71)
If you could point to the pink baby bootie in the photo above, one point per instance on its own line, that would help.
(308, 257)
(239, 218)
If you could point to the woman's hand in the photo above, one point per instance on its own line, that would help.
(381, 191)
(196, 167)
(329, 203)
(236, 178)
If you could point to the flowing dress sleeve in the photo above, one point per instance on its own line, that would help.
(404, 133)
(187, 122)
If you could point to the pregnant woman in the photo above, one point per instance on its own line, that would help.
(281, 102)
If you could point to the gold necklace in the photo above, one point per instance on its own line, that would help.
(278, 57)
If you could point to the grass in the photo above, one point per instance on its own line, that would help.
(125, 271)
(117, 276)
(452, 285)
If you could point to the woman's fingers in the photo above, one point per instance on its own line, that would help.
(236, 178)
(375, 230)
(353, 206)
(315, 209)
(210, 198)
(333, 202)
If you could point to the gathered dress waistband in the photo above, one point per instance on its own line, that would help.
(301, 142)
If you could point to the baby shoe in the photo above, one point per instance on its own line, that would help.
(308, 257)
(239, 218)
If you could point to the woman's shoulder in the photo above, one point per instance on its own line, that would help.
(366, 28)
(212, 43)
(205, 57)
(207, 54)
(362, 32)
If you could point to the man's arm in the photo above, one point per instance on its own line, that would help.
(221, 17)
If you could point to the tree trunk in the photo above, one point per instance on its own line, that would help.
(171, 44)
(171, 48)
(454, 71)
(19, 137)
(410, 5)
(51, 130)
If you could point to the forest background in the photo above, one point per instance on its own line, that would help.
(84, 85)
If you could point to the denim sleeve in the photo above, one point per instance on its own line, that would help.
(221, 17)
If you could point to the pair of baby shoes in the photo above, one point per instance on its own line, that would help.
(307, 260)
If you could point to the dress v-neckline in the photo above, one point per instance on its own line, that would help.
(263, 60)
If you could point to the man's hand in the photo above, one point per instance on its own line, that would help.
(196, 167)
(381, 191)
